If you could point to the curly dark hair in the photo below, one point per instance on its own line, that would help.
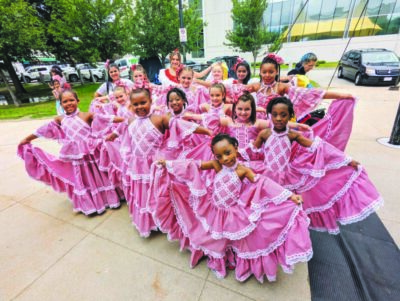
(180, 93)
(283, 100)
(269, 60)
(219, 137)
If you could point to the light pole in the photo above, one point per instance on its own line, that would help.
(182, 31)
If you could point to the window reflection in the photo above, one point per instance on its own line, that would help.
(327, 19)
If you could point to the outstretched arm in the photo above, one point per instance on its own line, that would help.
(303, 141)
(202, 73)
(213, 164)
(28, 139)
(336, 95)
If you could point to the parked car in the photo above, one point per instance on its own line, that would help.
(370, 66)
(33, 73)
(85, 71)
(125, 64)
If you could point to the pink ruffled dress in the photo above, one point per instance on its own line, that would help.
(75, 170)
(139, 149)
(332, 191)
(304, 100)
(251, 227)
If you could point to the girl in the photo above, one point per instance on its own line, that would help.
(339, 119)
(75, 171)
(243, 125)
(56, 71)
(112, 82)
(217, 104)
(335, 188)
(169, 76)
(139, 74)
(57, 93)
(196, 95)
(230, 220)
(141, 140)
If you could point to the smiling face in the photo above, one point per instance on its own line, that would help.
(114, 73)
(186, 78)
(280, 117)
(140, 103)
(216, 96)
(243, 111)
(69, 103)
(175, 61)
(268, 73)
(120, 97)
(175, 103)
(241, 73)
(217, 72)
(225, 153)
(138, 76)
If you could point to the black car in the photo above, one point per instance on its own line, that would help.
(370, 66)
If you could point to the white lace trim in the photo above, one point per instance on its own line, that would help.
(339, 194)
(300, 257)
(279, 241)
(283, 196)
(330, 231)
(221, 234)
(375, 205)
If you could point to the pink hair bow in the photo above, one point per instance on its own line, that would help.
(279, 60)
(133, 67)
(57, 78)
(179, 70)
(239, 60)
(107, 64)
(143, 85)
(176, 50)
(120, 83)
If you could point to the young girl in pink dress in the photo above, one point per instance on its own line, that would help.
(217, 105)
(335, 188)
(74, 171)
(241, 220)
(195, 94)
(144, 136)
(337, 124)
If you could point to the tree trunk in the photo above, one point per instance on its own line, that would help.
(19, 89)
(17, 103)
(254, 61)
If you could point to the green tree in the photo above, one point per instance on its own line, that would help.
(21, 33)
(249, 33)
(87, 30)
(155, 27)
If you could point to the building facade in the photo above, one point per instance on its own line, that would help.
(325, 27)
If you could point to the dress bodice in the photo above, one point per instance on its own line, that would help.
(277, 151)
(244, 134)
(146, 136)
(266, 93)
(75, 128)
(226, 188)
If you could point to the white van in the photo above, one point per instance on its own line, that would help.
(125, 64)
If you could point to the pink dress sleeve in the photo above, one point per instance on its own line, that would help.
(305, 100)
(212, 122)
(179, 130)
(51, 130)
(102, 124)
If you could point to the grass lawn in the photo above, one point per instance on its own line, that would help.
(48, 108)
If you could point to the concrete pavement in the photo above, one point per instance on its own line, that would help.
(47, 252)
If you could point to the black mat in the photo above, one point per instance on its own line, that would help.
(362, 263)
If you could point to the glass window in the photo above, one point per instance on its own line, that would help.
(380, 57)
(394, 25)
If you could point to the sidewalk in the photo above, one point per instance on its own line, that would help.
(49, 253)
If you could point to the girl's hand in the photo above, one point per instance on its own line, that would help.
(297, 199)
(354, 164)
(111, 137)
